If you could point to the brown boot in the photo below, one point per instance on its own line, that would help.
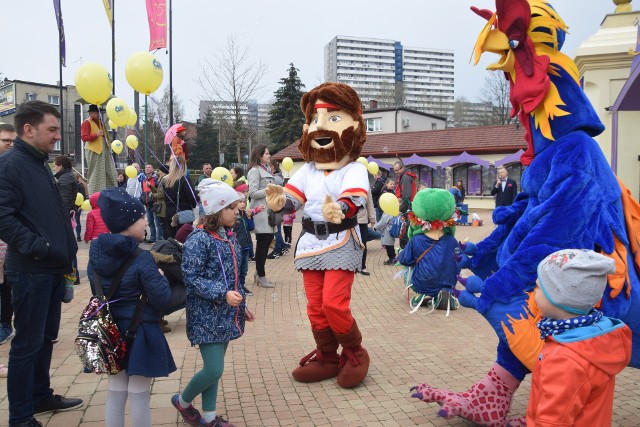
(354, 360)
(322, 363)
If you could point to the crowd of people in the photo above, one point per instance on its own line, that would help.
(202, 264)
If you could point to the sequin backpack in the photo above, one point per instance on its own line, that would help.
(102, 348)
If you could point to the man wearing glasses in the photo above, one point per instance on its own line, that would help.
(7, 135)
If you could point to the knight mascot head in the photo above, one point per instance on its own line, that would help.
(334, 131)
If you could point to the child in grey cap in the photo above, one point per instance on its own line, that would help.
(574, 377)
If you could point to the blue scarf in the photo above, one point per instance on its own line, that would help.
(550, 327)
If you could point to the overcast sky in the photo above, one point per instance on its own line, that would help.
(277, 32)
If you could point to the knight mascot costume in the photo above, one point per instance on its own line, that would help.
(331, 187)
(570, 199)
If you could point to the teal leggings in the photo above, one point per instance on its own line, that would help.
(205, 382)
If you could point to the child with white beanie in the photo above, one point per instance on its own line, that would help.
(216, 300)
(574, 377)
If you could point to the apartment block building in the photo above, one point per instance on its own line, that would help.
(385, 71)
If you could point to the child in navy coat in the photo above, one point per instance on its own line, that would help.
(150, 355)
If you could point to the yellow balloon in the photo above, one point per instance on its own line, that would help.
(117, 146)
(362, 160)
(287, 164)
(130, 171)
(389, 204)
(86, 205)
(93, 83)
(132, 142)
(373, 168)
(143, 72)
(118, 111)
(222, 174)
(79, 199)
(133, 118)
(112, 125)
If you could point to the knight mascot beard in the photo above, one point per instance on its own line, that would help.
(331, 187)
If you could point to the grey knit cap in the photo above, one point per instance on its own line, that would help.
(575, 279)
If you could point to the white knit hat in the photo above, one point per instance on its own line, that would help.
(216, 195)
(575, 279)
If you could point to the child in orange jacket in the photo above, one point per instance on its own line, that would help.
(574, 377)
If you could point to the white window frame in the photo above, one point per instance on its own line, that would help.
(374, 124)
(57, 97)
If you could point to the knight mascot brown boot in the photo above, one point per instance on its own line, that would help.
(354, 360)
(322, 363)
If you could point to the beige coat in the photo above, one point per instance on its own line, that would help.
(258, 179)
(367, 214)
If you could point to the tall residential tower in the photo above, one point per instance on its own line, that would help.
(392, 74)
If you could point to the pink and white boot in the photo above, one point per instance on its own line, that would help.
(486, 403)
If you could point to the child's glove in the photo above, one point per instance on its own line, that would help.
(275, 197)
(331, 211)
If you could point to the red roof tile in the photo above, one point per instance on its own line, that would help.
(451, 141)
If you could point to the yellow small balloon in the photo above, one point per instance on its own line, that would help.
(222, 174)
(112, 125)
(93, 83)
(362, 160)
(133, 118)
(143, 72)
(130, 171)
(132, 142)
(287, 164)
(389, 204)
(117, 146)
(79, 199)
(118, 111)
(373, 168)
(86, 205)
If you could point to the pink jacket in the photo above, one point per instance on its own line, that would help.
(95, 225)
(288, 218)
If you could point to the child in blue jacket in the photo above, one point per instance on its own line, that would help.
(150, 355)
(431, 249)
(216, 309)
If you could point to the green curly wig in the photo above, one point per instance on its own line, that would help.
(432, 204)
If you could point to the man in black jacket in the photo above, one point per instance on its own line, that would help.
(505, 189)
(36, 226)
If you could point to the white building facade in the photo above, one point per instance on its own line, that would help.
(385, 71)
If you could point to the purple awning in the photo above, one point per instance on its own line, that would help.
(380, 163)
(465, 158)
(511, 158)
(417, 160)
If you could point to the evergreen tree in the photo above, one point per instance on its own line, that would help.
(286, 118)
(206, 147)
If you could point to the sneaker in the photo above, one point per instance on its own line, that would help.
(252, 259)
(365, 273)
(166, 329)
(31, 423)
(79, 239)
(217, 422)
(6, 332)
(247, 292)
(273, 255)
(190, 415)
(57, 403)
(389, 262)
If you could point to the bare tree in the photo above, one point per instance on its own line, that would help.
(163, 109)
(231, 77)
(496, 92)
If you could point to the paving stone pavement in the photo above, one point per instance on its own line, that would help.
(257, 388)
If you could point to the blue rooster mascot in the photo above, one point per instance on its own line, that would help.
(570, 199)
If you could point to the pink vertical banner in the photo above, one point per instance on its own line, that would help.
(157, 15)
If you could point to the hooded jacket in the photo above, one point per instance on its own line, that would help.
(210, 268)
(95, 225)
(150, 355)
(574, 378)
(34, 223)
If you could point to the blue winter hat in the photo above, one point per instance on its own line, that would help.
(118, 209)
